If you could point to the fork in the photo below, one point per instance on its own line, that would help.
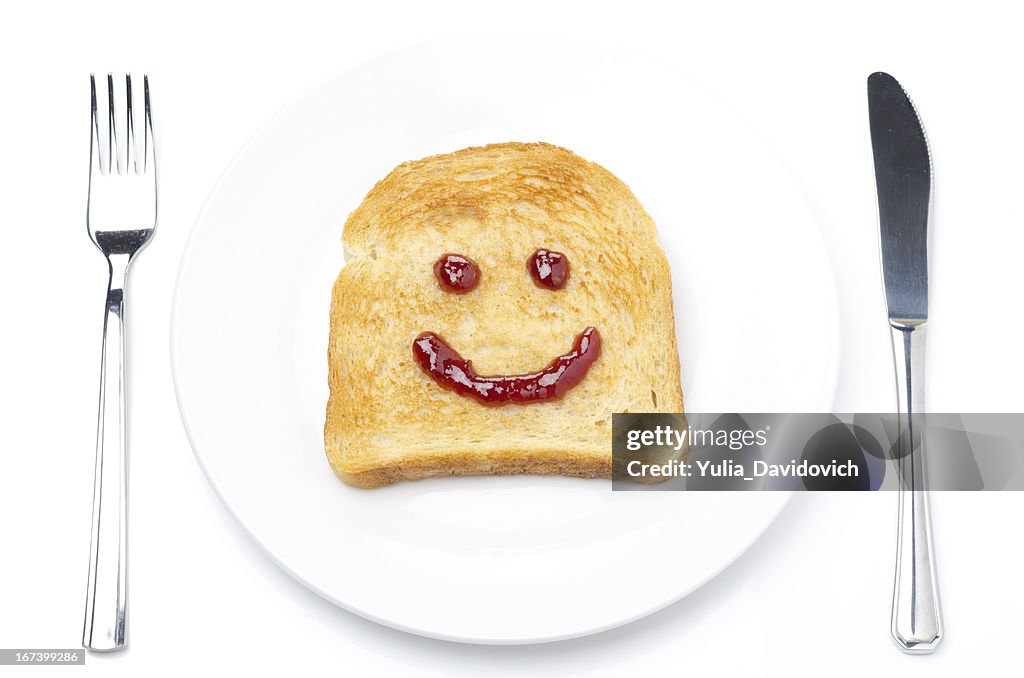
(121, 218)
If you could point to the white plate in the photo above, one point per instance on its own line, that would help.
(510, 559)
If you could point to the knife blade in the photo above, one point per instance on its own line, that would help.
(903, 177)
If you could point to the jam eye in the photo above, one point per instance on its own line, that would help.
(549, 269)
(456, 273)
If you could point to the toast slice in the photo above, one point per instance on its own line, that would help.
(389, 419)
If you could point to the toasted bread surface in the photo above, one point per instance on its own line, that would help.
(387, 420)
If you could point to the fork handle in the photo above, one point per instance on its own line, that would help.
(916, 617)
(105, 599)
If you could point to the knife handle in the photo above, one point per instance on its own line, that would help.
(916, 617)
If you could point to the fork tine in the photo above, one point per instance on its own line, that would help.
(96, 163)
(149, 145)
(114, 162)
(131, 164)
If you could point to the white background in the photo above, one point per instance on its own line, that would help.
(812, 596)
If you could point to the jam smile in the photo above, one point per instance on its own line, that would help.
(451, 371)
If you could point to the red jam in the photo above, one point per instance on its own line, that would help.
(549, 269)
(452, 372)
(456, 273)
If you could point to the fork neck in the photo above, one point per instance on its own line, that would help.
(118, 267)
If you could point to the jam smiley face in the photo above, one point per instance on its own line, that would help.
(459, 274)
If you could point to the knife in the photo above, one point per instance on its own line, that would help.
(903, 178)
